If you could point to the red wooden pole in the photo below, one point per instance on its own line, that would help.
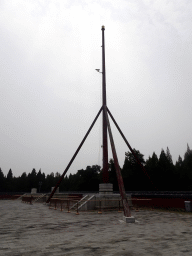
(105, 143)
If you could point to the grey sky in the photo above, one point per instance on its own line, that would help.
(50, 91)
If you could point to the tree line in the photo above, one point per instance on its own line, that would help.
(161, 174)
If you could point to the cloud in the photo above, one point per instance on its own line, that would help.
(50, 91)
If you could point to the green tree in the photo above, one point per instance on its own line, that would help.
(131, 158)
(9, 181)
(10, 175)
(169, 156)
(179, 174)
(32, 179)
(166, 176)
(2, 181)
(179, 162)
(187, 170)
(40, 181)
(88, 180)
(23, 183)
(152, 169)
(133, 175)
(50, 182)
(64, 185)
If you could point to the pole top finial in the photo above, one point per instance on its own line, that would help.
(103, 27)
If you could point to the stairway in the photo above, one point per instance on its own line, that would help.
(88, 204)
(19, 198)
(80, 202)
(40, 197)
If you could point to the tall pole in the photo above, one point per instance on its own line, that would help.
(105, 144)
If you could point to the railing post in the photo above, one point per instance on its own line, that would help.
(119, 206)
(68, 203)
(99, 207)
(77, 213)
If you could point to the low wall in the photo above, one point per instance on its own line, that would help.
(9, 196)
(159, 202)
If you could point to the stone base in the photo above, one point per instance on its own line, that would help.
(188, 206)
(129, 219)
(33, 191)
(110, 200)
(105, 188)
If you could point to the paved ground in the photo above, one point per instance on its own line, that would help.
(37, 230)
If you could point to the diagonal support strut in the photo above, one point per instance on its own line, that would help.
(123, 136)
(127, 212)
(73, 158)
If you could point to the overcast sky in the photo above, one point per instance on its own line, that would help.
(50, 92)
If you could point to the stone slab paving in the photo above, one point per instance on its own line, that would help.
(37, 230)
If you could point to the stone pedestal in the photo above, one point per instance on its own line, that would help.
(33, 191)
(188, 206)
(105, 188)
(129, 219)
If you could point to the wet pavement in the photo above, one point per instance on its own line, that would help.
(37, 230)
